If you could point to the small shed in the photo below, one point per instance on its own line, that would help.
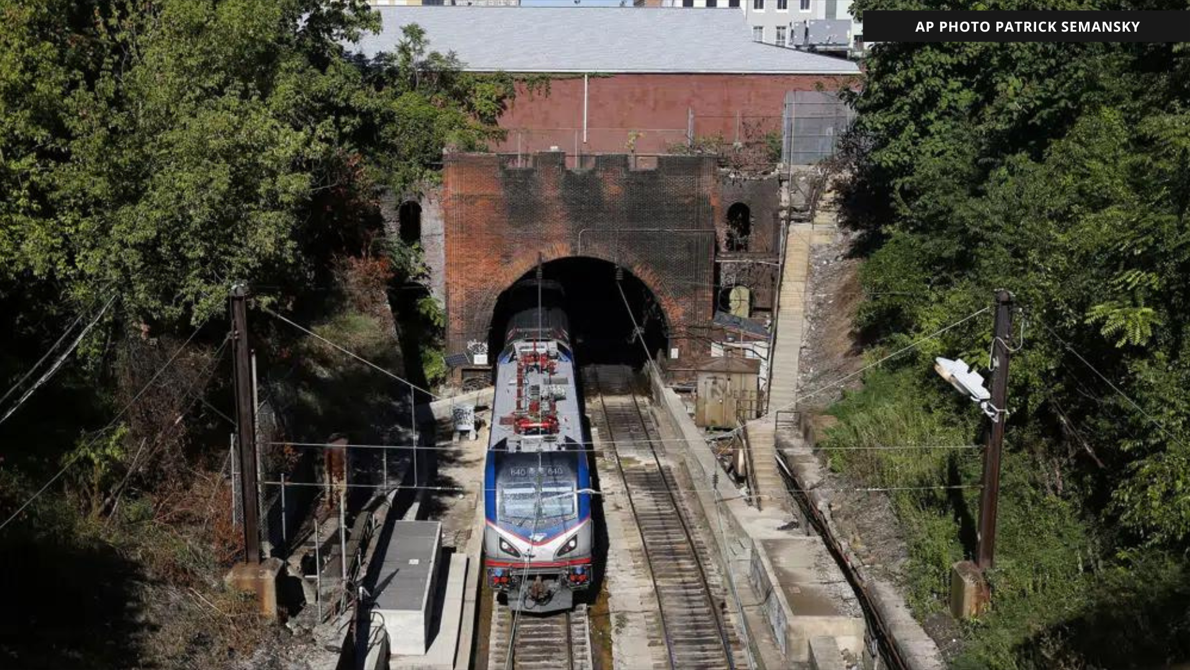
(728, 392)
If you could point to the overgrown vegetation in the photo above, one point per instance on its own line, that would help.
(1059, 172)
(152, 153)
(757, 149)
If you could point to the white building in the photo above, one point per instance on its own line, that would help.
(817, 25)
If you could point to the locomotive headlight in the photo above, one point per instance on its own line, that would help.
(569, 546)
(508, 548)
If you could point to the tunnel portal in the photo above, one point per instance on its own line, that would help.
(502, 215)
(606, 306)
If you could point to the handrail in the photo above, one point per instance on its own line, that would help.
(750, 476)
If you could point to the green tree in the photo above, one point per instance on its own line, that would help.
(1058, 171)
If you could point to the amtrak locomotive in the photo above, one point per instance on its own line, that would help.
(538, 537)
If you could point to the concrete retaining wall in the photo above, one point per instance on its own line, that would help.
(914, 646)
(743, 552)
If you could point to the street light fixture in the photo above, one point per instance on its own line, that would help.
(968, 382)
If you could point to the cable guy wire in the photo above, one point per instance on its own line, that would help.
(1115, 388)
(352, 354)
(57, 364)
(78, 452)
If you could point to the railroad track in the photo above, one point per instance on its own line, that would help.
(695, 632)
(560, 641)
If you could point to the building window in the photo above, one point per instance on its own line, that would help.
(758, 34)
(758, 5)
(780, 36)
(805, 6)
(687, 3)
(712, 3)
(733, 3)
(782, 5)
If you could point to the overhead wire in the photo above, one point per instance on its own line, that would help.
(56, 365)
(350, 353)
(79, 452)
(62, 338)
(204, 378)
(1069, 347)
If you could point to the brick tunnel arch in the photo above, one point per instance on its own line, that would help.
(602, 325)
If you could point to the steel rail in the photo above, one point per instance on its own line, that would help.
(638, 513)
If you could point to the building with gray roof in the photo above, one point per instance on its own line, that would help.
(625, 79)
(597, 39)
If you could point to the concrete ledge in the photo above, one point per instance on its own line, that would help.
(825, 655)
(440, 410)
(914, 646)
(795, 606)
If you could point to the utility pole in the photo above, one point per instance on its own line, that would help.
(990, 495)
(245, 424)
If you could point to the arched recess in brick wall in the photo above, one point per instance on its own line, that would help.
(605, 303)
(739, 227)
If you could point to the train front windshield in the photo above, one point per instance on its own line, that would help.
(536, 488)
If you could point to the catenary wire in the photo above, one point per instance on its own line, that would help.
(463, 489)
(597, 450)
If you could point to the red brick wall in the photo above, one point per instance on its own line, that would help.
(656, 105)
(659, 224)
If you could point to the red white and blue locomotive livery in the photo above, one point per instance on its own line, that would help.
(538, 537)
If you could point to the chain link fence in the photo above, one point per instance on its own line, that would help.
(812, 123)
(806, 132)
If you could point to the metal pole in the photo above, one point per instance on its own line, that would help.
(586, 94)
(363, 629)
(266, 543)
(284, 524)
(232, 451)
(343, 535)
(318, 568)
(413, 428)
(990, 495)
(245, 424)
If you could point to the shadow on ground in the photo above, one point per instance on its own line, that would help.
(68, 604)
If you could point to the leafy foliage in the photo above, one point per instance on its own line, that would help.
(171, 148)
(1059, 172)
(153, 153)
